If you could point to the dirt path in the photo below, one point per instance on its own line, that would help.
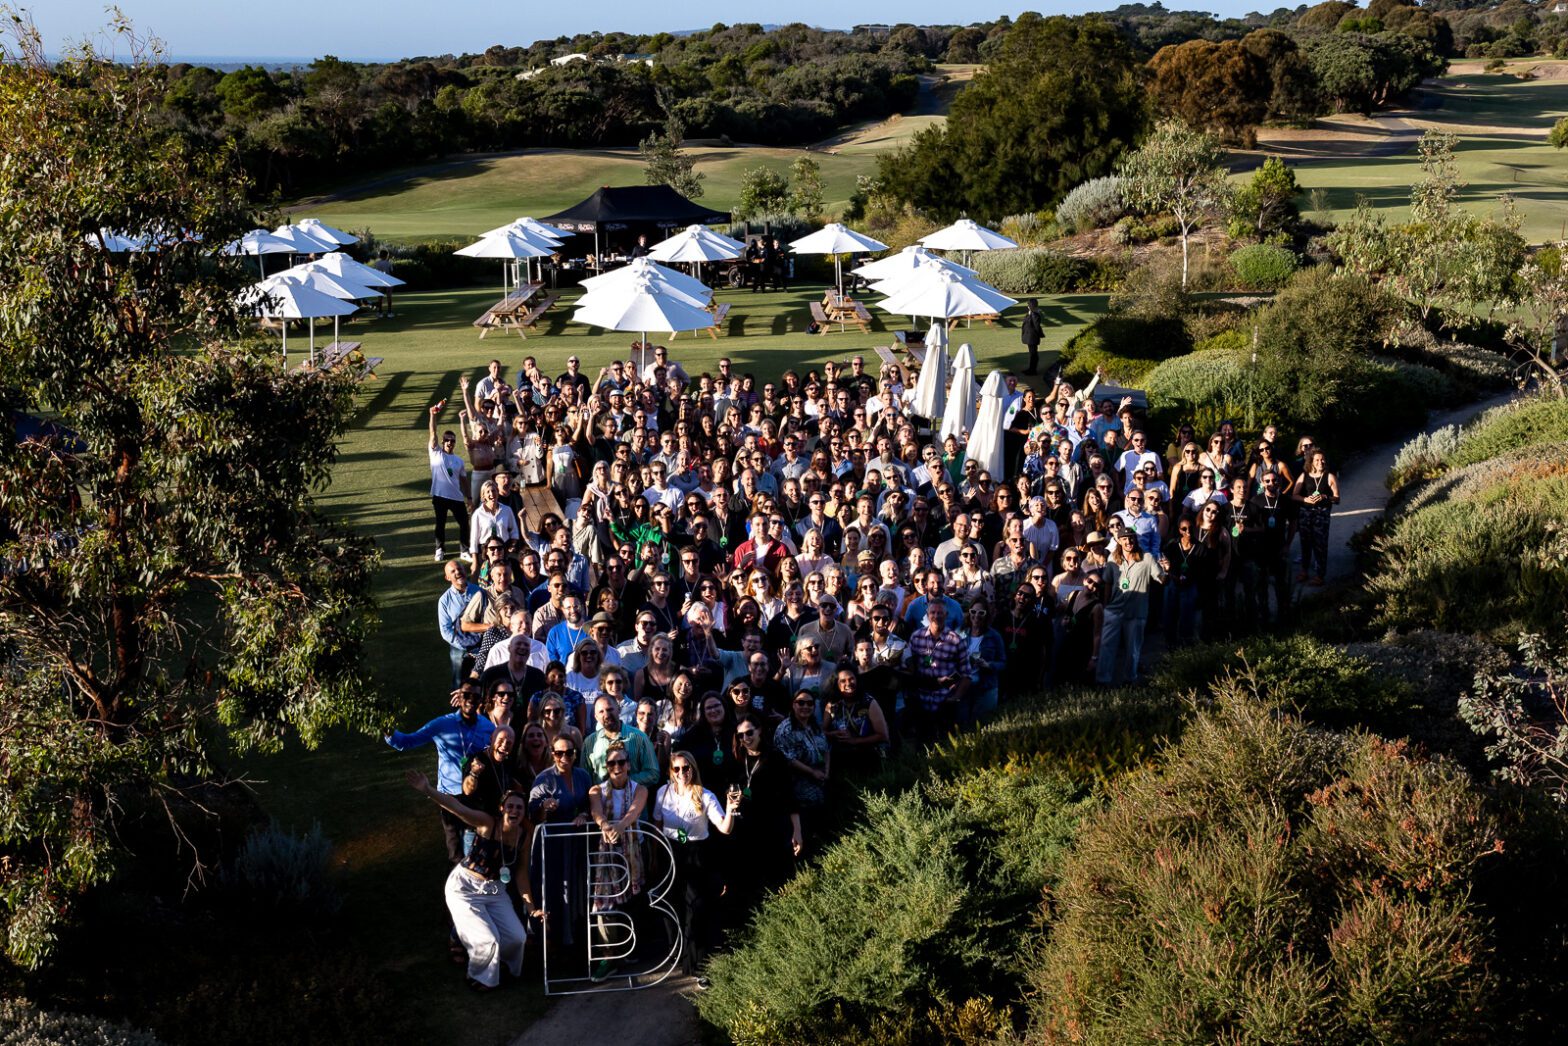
(1363, 493)
(658, 1016)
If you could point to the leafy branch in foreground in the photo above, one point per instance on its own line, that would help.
(164, 568)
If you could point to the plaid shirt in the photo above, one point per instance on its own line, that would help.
(932, 657)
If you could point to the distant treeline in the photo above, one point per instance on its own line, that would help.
(791, 84)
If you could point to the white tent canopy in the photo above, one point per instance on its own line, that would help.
(966, 235)
(985, 439)
(322, 231)
(905, 261)
(643, 306)
(303, 240)
(937, 292)
(288, 298)
(836, 239)
(958, 418)
(355, 272)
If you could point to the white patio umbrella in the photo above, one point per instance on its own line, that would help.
(286, 298)
(303, 241)
(836, 239)
(535, 227)
(941, 293)
(509, 245)
(904, 262)
(338, 287)
(645, 268)
(603, 295)
(958, 417)
(644, 307)
(966, 235)
(985, 438)
(931, 385)
(258, 243)
(696, 244)
(320, 230)
(355, 272)
(116, 242)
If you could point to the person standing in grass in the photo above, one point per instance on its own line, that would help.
(446, 484)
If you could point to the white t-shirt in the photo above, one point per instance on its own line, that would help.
(445, 470)
(1043, 538)
(677, 813)
(536, 656)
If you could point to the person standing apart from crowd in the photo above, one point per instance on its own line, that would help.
(446, 485)
(1030, 331)
(477, 890)
(1316, 493)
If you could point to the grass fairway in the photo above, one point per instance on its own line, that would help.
(388, 844)
(1501, 122)
(468, 196)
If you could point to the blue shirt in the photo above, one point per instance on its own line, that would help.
(1147, 528)
(455, 741)
(955, 612)
(562, 640)
(449, 611)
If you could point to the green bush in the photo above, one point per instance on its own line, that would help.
(1127, 349)
(1263, 267)
(1273, 882)
(278, 871)
(1423, 457)
(1480, 549)
(23, 1025)
(1093, 204)
(1527, 422)
(1030, 270)
(922, 905)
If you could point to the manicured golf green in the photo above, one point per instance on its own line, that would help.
(388, 842)
(468, 196)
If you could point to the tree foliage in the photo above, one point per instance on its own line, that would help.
(665, 164)
(762, 191)
(1177, 171)
(164, 570)
(805, 188)
(1059, 102)
(1445, 255)
(1267, 203)
(1221, 87)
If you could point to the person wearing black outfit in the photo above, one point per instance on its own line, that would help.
(767, 836)
(1271, 523)
(1030, 331)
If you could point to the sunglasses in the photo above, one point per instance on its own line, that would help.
(563, 753)
(617, 762)
(680, 769)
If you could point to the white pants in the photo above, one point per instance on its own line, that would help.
(487, 925)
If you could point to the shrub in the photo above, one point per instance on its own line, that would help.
(1202, 388)
(921, 906)
(1093, 204)
(1029, 230)
(23, 1025)
(1272, 878)
(1479, 549)
(279, 871)
(1527, 422)
(1127, 347)
(1031, 270)
(1424, 456)
(1263, 267)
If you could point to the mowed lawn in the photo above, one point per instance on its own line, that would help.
(469, 196)
(1501, 122)
(388, 844)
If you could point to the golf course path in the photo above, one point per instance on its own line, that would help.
(659, 1016)
(1363, 492)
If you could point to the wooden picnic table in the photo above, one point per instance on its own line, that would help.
(841, 310)
(514, 312)
(720, 312)
(344, 354)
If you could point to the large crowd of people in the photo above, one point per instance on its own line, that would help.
(753, 590)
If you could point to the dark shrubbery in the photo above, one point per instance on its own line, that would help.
(1042, 270)
(278, 871)
(23, 1025)
(1127, 347)
(1273, 879)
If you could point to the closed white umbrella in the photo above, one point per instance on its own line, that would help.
(904, 262)
(354, 271)
(303, 241)
(931, 385)
(508, 245)
(322, 231)
(644, 307)
(836, 239)
(966, 235)
(958, 418)
(286, 298)
(985, 438)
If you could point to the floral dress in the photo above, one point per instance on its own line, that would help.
(611, 887)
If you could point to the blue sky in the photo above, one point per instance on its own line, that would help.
(382, 29)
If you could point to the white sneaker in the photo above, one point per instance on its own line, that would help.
(440, 554)
(466, 557)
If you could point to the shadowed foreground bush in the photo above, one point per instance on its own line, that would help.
(22, 1025)
(1273, 883)
(915, 913)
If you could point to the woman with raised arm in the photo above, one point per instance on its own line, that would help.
(477, 892)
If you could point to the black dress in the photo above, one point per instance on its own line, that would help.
(759, 856)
